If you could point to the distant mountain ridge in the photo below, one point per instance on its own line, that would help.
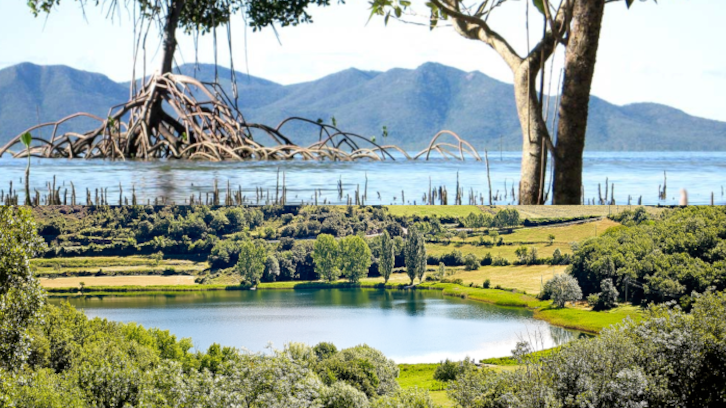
(412, 104)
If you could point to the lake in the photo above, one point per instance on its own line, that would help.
(415, 326)
(633, 174)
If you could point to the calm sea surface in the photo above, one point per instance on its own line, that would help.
(633, 175)
(408, 326)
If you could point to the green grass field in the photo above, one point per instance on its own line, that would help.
(544, 250)
(564, 234)
(555, 211)
(423, 210)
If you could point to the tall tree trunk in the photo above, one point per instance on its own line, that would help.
(534, 131)
(169, 43)
(580, 59)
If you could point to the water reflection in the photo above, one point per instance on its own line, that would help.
(409, 326)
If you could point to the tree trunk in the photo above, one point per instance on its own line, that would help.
(580, 61)
(534, 131)
(169, 43)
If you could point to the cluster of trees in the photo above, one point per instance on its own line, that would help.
(670, 358)
(506, 218)
(682, 252)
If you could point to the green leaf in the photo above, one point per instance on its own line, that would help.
(540, 5)
(26, 138)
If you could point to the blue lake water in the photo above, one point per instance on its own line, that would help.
(634, 175)
(420, 326)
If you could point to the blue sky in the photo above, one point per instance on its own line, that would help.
(669, 53)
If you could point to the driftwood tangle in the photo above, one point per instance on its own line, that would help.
(199, 121)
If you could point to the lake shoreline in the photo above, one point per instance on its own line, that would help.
(569, 318)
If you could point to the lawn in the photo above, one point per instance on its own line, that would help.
(440, 210)
(152, 280)
(563, 234)
(555, 211)
(520, 277)
(544, 250)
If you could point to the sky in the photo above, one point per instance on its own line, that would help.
(669, 53)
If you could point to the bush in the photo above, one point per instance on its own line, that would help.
(499, 261)
(487, 259)
(593, 300)
(471, 262)
(405, 398)
(487, 284)
(561, 289)
(451, 370)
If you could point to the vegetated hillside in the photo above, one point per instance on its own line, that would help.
(412, 104)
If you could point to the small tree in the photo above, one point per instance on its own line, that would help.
(471, 262)
(272, 268)
(355, 257)
(156, 258)
(557, 257)
(81, 286)
(251, 263)
(522, 254)
(441, 271)
(415, 254)
(495, 236)
(533, 256)
(561, 289)
(387, 259)
(462, 236)
(551, 238)
(326, 257)
(608, 298)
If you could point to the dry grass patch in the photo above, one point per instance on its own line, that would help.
(522, 278)
(113, 264)
(146, 280)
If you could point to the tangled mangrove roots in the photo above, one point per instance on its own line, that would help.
(180, 117)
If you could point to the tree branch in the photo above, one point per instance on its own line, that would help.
(475, 28)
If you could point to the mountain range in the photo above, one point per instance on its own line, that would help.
(412, 104)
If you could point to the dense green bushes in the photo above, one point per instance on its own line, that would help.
(669, 359)
(657, 261)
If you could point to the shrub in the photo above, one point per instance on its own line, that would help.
(561, 289)
(487, 283)
(471, 262)
(324, 350)
(449, 370)
(593, 300)
(499, 261)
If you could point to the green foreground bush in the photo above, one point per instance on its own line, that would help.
(669, 359)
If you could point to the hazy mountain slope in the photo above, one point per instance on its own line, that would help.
(412, 104)
(32, 94)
